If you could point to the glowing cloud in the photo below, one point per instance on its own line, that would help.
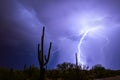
(91, 24)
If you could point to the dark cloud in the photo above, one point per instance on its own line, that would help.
(17, 43)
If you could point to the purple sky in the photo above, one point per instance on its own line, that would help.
(66, 22)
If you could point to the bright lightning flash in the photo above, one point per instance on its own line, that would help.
(90, 23)
(84, 34)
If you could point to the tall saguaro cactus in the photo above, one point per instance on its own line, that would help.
(43, 58)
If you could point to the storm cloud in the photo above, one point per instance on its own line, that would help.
(21, 22)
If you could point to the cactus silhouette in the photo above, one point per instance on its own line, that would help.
(42, 57)
(76, 57)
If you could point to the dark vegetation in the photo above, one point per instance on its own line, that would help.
(64, 71)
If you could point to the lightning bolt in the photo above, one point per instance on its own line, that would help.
(80, 56)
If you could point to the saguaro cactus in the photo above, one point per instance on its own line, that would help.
(43, 58)
(76, 59)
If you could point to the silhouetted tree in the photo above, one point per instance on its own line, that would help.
(66, 66)
(99, 71)
(98, 67)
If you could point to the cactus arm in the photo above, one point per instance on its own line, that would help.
(45, 58)
(39, 53)
(48, 57)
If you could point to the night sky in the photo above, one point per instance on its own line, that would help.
(90, 28)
